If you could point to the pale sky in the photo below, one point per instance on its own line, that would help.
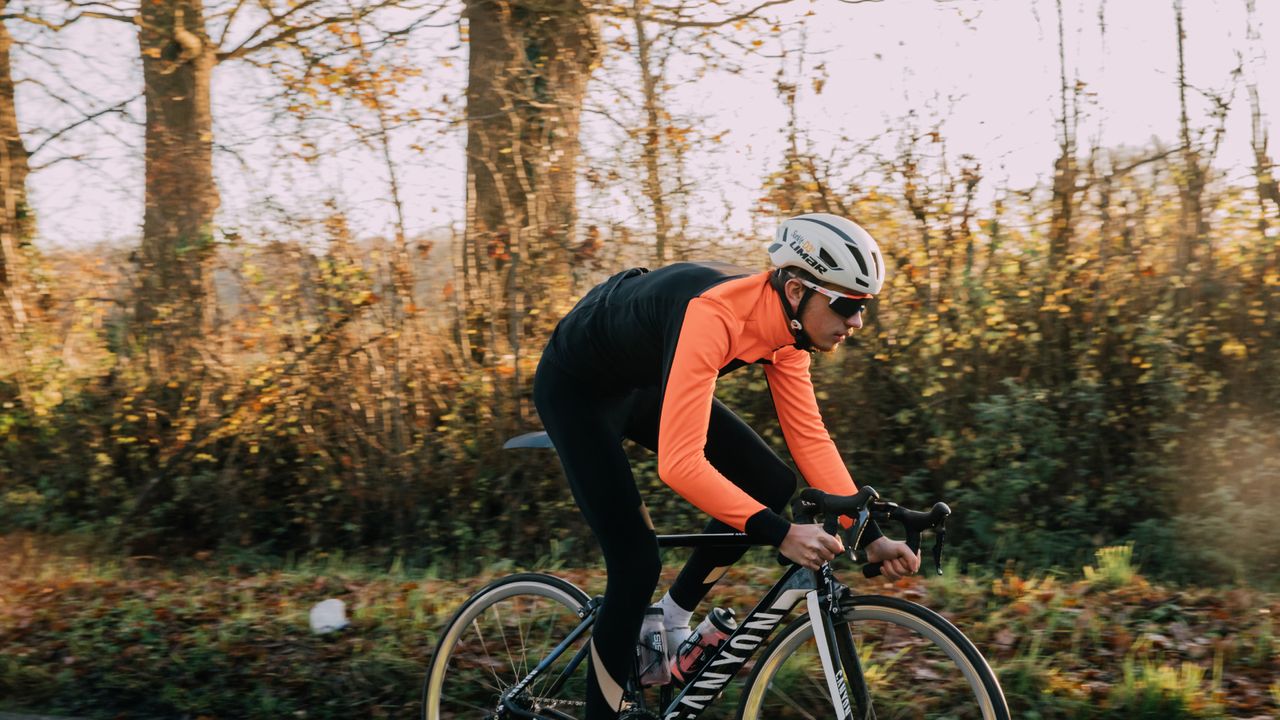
(988, 70)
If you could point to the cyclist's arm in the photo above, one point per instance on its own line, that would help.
(701, 349)
(811, 446)
(807, 438)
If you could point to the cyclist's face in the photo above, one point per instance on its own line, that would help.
(826, 328)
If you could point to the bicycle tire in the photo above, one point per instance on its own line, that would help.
(495, 638)
(910, 655)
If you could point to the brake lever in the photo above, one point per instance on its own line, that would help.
(913, 541)
(940, 537)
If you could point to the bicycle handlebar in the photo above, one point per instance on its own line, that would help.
(866, 505)
(814, 502)
(914, 522)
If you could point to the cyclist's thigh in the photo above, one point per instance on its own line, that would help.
(584, 424)
(586, 430)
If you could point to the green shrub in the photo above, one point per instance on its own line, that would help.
(1162, 691)
(1114, 567)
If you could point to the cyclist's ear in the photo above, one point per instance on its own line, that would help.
(794, 290)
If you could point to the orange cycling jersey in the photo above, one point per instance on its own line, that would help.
(681, 327)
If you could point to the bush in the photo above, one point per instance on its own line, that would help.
(1060, 398)
(1114, 568)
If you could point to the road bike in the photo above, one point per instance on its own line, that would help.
(518, 647)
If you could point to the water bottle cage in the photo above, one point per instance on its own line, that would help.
(690, 644)
(651, 656)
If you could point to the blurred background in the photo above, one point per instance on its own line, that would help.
(276, 273)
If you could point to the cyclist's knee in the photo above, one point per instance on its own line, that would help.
(646, 571)
(636, 570)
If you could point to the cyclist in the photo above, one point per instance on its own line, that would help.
(638, 358)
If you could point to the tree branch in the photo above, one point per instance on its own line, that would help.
(91, 117)
(289, 32)
(276, 21)
(55, 161)
(59, 26)
(747, 15)
(231, 18)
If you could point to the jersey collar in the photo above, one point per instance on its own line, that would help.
(771, 317)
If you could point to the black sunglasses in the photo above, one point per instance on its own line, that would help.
(846, 306)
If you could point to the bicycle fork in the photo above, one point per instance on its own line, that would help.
(840, 664)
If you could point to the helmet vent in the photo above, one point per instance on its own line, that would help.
(857, 255)
(827, 259)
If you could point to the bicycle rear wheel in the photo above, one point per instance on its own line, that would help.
(495, 639)
(914, 662)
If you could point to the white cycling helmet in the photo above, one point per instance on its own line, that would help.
(832, 249)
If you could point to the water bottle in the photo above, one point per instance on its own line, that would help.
(651, 653)
(710, 634)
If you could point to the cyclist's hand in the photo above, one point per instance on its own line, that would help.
(897, 558)
(809, 546)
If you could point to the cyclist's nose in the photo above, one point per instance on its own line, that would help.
(854, 322)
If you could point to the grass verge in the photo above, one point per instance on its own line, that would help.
(119, 639)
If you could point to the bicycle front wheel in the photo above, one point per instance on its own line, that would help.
(914, 663)
(496, 639)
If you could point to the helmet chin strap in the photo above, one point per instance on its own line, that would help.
(803, 342)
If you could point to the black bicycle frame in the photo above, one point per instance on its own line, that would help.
(754, 632)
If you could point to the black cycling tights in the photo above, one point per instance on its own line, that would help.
(587, 427)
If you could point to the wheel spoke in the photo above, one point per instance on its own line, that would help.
(496, 640)
(914, 665)
(548, 641)
(506, 642)
(497, 682)
(796, 706)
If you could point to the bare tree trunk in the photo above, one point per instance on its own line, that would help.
(15, 215)
(1062, 226)
(652, 149)
(1263, 168)
(1056, 338)
(971, 174)
(528, 73)
(1104, 182)
(181, 197)
(1065, 169)
(402, 397)
(1194, 228)
(915, 192)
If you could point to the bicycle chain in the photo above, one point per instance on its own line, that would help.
(541, 703)
(555, 702)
